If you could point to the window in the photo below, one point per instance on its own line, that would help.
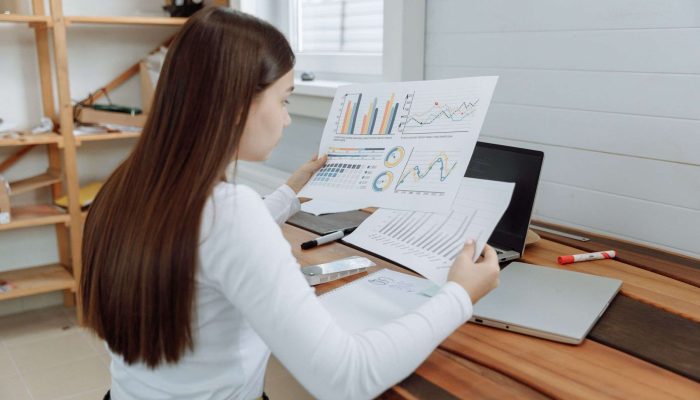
(338, 26)
(346, 40)
(334, 38)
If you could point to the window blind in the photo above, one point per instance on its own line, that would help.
(340, 26)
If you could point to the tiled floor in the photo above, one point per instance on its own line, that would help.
(44, 355)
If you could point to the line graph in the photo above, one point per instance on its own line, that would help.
(426, 171)
(426, 113)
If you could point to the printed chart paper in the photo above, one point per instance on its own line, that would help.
(401, 145)
(372, 301)
(320, 207)
(427, 243)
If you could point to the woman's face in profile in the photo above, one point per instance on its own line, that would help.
(267, 118)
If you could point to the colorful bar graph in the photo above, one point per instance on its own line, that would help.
(394, 110)
(368, 116)
(346, 119)
(386, 113)
(373, 120)
(353, 118)
(376, 120)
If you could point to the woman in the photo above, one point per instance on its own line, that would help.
(188, 278)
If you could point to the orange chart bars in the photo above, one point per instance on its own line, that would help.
(388, 115)
(386, 129)
(369, 117)
(350, 115)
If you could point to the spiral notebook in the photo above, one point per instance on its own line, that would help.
(376, 299)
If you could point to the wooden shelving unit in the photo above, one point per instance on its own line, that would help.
(36, 215)
(125, 20)
(96, 137)
(61, 147)
(25, 18)
(25, 140)
(35, 182)
(60, 176)
(37, 280)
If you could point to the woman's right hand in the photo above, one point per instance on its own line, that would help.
(477, 278)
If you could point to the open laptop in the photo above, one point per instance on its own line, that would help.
(539, 301)
(509, 164)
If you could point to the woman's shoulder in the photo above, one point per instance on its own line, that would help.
(233, 192)
(231, 202)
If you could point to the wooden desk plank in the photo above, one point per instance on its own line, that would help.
(648, 287)
(588, 371)
(684, 269)
(545, 366)
(659, 337)
(467, 380)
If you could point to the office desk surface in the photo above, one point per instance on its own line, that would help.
(646, 346)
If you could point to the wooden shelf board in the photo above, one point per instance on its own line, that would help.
(35, 280)
(34, 182)
(24, 140)
(24, 18)
(105, 136)
(35, 215)
(126, 20)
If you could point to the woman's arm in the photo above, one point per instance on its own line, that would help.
(250, 260)
(283, 202)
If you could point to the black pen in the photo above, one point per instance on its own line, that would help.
(331, 237)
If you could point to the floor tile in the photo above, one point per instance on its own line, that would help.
(281, 385)
(52, 351)
(12, 388)
(7, 366)
(68, 379)
(94, 341)
(33, 325)
(97, 394)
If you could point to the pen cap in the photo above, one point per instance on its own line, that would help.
(308, 245)
(565, 259)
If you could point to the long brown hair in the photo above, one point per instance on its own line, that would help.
(141, 236)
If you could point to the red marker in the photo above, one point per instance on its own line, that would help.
(601, 255)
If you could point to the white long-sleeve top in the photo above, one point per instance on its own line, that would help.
(252, 298)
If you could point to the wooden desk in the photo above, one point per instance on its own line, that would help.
(646, 346)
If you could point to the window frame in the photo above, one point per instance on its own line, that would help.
(402, 45)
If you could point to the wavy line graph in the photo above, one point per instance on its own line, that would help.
(437, 110)
(427, 170)
(428, 115)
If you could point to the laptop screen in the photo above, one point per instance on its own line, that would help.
(509, 164)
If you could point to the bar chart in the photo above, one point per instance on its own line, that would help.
(376, 117)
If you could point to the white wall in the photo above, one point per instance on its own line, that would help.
(608, 89)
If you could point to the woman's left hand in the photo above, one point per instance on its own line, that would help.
(304, 173)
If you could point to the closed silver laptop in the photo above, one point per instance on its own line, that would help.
(546, 302)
